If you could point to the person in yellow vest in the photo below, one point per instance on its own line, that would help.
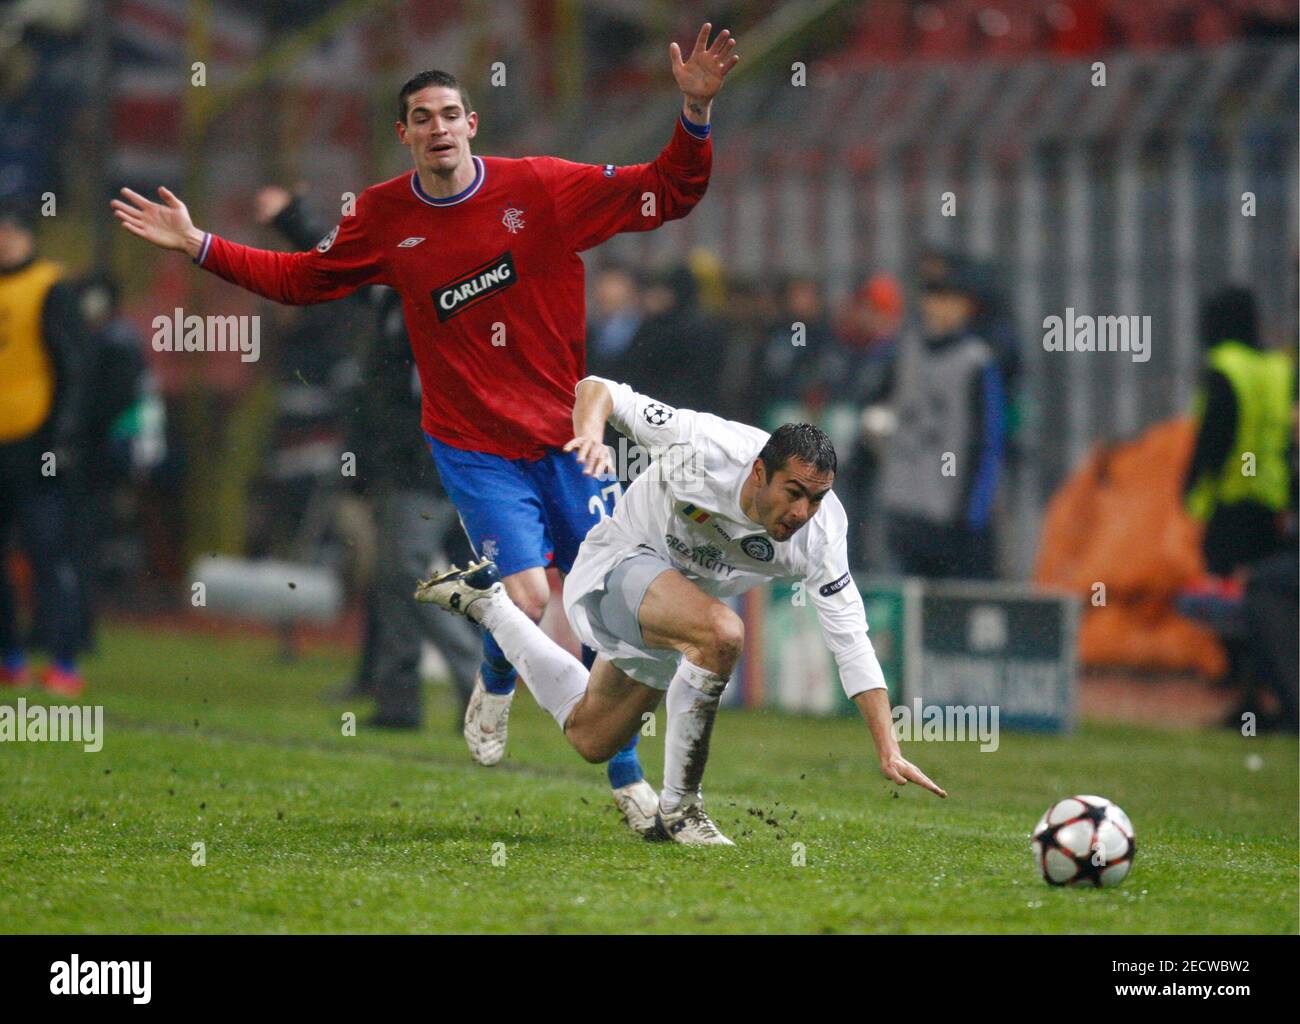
(1241, 483)
(40, 395)
(1238, 482)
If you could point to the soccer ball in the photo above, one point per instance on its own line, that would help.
(1083, 840)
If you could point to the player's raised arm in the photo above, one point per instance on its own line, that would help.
(166, 224)
(343, 261)
(594, 203)
(700, 75)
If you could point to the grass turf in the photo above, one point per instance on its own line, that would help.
(308, 830)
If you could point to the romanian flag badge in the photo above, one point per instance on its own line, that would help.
(696, 514)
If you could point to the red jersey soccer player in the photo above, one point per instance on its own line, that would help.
(484, 253)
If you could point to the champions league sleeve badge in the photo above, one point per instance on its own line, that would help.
(324, 244)
(657, 414)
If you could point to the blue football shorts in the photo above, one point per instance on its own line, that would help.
(523, 513)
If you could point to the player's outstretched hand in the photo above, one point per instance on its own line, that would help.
(593, 455)
(700, 75)
(899, 769)
(165, 224)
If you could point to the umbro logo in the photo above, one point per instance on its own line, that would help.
(410, 243)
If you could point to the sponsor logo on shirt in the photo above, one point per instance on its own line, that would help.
(835, 586)
(473, 287)
(410, 243)
(324, 244)
(706, 556)
(758, 548)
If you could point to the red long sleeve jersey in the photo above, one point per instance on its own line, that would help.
(491, 282)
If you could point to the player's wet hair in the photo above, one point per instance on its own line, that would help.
(800, 441)
(424, 80)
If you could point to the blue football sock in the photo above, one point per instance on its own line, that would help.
(68, 665)
(624, 767)
(14, 660)
(498, 674)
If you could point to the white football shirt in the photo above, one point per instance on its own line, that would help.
(686, 508)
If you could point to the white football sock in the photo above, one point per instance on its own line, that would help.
(554, 676)
(692, 704)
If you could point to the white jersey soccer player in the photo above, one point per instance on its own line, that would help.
(686, 509)
(723, 508)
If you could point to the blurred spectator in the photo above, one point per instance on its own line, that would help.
(42, 383)
(1241, 482)
(710, 279)
(1237, 482)
(942, 465)
(415, 519)
(614, 318)
(747, 319)
(866, 338)
(673, 351)
(991, 318)
(867, 331)
(123, 429)
(794, 366)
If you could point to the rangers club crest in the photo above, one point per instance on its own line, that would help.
(513, 219)
(758, 548)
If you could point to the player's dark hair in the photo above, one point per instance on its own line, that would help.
(423, 81)
(800, 441)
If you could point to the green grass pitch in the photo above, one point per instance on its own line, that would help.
(307, 830)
